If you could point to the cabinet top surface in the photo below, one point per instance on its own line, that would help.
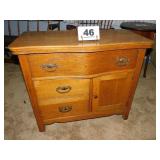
(67, 41)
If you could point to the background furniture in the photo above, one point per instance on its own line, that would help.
(103, 24)
(147, 30)
(9, 58)
(69, 80)
(54, 26)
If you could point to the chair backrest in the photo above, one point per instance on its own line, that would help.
(103, 24)
(53, 24)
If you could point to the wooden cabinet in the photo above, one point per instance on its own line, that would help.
(69, 80)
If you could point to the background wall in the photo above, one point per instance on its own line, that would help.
(44, 24)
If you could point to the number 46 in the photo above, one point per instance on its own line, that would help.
(88, 32)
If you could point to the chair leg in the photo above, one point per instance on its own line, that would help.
(146, 63)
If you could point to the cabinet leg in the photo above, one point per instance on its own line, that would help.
(125, 117)
(41, 127)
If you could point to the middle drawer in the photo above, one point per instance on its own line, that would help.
(57, 91)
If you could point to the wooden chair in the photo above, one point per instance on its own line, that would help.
(103, 24)
(53, 26)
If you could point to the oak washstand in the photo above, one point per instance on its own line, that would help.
(68, 80)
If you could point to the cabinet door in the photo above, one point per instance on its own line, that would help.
(110, 92)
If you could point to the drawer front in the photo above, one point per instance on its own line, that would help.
(64, 109)
(56, 91)
(80, 64)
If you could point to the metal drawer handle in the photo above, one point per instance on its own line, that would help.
(63, 89)
(65, 109)
(49, 67)
(122, 61)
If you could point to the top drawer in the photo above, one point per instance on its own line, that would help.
(80, 64)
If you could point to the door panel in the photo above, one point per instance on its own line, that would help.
(111, 91)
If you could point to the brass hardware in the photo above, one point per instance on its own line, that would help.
(122, 61)
(49, 67)
(65, 109)
(63, 89)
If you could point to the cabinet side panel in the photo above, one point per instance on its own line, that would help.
(141, 54)
(28, 81)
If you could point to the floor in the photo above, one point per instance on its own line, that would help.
(20, 123)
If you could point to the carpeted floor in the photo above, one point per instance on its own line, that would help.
(20, 123)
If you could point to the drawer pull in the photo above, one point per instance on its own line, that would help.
(122, 61)
(49, 67)
(65, 109)
(63, 89)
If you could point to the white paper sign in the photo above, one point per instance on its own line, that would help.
(88, 33)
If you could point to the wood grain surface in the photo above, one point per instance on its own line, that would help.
(79, 64)
(67, 41)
